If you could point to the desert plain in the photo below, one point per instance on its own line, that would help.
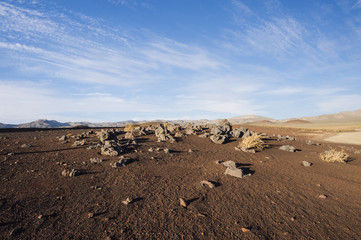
(63, 184)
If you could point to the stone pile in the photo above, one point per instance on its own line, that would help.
(163, 134)
(220, 134)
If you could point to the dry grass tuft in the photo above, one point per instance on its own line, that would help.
(252, 142)
(334, 156)
(130, 127)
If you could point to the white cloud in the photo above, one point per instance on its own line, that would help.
(339, 103)
(357, 4)
(28, 101)
(242, 7)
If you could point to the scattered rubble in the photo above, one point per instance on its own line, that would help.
(96, 160)
(288, 148)
(70, 173)
(79, 143)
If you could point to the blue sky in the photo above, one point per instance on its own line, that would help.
(113, 60)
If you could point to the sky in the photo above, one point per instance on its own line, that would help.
(115, 60)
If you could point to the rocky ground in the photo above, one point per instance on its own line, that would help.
(170, 183)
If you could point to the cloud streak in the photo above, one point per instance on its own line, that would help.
(93, 70)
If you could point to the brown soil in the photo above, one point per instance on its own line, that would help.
(280, 200)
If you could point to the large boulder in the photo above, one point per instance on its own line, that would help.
(223, 127)
(219, 139)
(161, 130)
(237, 133)
(110, 148)
(174, 127)
(105, 135)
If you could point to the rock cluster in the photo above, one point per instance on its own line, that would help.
(232, 170)
(70, 173)
(288, 148)
(163, 134)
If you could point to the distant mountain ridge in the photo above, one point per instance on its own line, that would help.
(346, 116)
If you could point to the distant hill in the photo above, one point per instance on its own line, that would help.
(2, 125)
(43, 123)
(346, 116)
(249, 119)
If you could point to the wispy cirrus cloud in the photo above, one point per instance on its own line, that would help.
(121, 61)
(93, 70)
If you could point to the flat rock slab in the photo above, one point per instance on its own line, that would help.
(234, 172)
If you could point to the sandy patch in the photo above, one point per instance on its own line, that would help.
(346, 137)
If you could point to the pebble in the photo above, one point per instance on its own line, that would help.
(127, 201)
(207, 183)
(15, 231)
(306, 164)
(90, 215)
(183, 202)
(96, 160)
(322, 196)
(245, 230)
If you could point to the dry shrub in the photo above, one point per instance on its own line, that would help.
(252, 142)
(130, 127)
(334, 156)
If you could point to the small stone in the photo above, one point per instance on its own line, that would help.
(245, 230)
(40, 216)
(234, 172)
(15, 231)
(72, 173)
(288, 148)
(10, 154)
(306, 164)
(96, 160)
(293, 219)
(183, 202)
(322, 196)
(229, 164)
(207, 183)
(90, 215)
(127, 201)
(25, 145)
(190, 150)
(166, 150)
(248, 150)
(218, 162)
